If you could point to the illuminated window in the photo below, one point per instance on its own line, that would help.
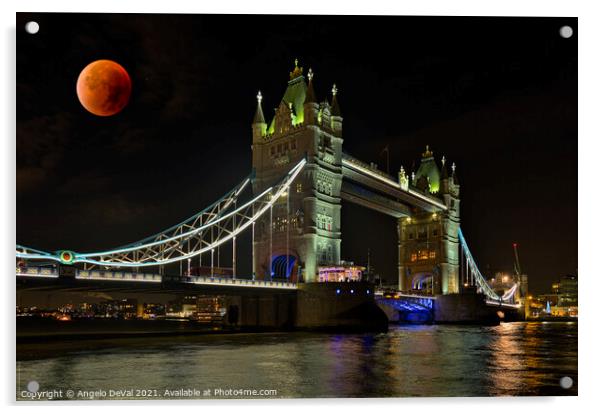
(423, 254)
(432, 254)
(413, 257)
(324, 222)
(299, 187)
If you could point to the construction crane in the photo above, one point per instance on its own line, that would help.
(522, 281)
(516, 261)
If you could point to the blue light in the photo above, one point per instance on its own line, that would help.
(338, 291)
(351, 290)
(367, 291)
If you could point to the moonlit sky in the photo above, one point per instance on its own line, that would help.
(497, 96)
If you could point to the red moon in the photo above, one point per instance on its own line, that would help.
(104, 87)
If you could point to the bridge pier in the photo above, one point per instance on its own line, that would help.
(261, 312)
(339, 306)
(464, 308)
(347, 306)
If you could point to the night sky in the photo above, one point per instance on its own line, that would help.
(497, 96)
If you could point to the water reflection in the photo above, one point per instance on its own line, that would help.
(510, 359)
(507, 367)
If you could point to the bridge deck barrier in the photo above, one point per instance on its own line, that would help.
(156, 278)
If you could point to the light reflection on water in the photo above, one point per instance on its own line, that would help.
(510, 359)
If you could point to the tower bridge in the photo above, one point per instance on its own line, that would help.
(300, 177)
(425, 205)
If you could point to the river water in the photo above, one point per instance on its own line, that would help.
(522, 358)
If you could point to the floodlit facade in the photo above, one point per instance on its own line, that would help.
(306, 221)
(428, 242)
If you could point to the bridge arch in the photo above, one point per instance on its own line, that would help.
(281, 269)
(422, 282)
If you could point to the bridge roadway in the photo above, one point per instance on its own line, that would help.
(43, 279)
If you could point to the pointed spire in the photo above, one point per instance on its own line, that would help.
(335, 109)
(428, 153)
(454, 176)
(443, 168)
(259, 118)
(310, 95)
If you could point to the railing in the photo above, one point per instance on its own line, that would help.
(208, 280)
(376, 173)
(41, 272)
(37, 272)
(408, 303)
(124, 276)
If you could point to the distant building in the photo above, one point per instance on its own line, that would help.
(562, 302)
(568, 291)
(210, 309)
(184, 307)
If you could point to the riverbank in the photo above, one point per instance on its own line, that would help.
(554, 319)
(31, 330)
(76, 333)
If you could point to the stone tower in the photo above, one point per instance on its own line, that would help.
(304, 230)
(428, 242)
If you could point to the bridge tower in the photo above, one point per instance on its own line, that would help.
(428, 242)
(304, 230)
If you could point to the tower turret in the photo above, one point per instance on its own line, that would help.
(444, 184)
(450, 193)
(403, 179)
(310, 106)
(259, 126)
(454, 176)
(335, 112)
